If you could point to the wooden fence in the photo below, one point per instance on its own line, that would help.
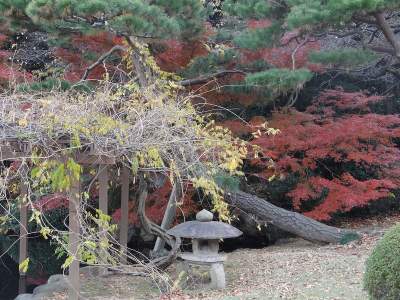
(12, 151)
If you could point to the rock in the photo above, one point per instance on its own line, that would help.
(24, 297)
(42, 297)
(54, 286)
(57, 277)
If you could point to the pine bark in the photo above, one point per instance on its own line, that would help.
(286, 220)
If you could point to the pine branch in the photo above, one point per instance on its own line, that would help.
(364, 19)
(205, 79)
(388, 32)
(381, 49)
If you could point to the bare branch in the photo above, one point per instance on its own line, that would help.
(364, 19)
(293, 56)
(205, 79)
(381, 49)
(101, 60)
(388, 32)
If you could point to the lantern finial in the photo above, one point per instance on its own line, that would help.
(204, 216)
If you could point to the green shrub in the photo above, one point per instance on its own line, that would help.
(41, 252)
(382, 276)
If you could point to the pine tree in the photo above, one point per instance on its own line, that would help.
(136, 23)
(278, 45)
(159, 19)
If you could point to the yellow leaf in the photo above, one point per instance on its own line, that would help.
(23, 122)
(23, 266)
(67, 262)
(45, 231)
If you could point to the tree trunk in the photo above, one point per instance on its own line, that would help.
(289, 221)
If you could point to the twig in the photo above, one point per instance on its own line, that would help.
(205, 79)
(101, 60)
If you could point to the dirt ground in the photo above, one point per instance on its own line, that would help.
(291, 269)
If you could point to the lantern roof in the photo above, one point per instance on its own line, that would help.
(204, 228)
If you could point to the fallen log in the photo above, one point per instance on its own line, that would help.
(293, 222)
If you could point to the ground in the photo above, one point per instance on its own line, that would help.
(291, 269)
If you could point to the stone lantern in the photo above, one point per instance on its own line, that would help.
(205, 234)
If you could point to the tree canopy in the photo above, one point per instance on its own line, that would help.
(296, 101)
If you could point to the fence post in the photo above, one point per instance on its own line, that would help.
(23, 232)
(123, 227)
(103, 189)
(74, 228)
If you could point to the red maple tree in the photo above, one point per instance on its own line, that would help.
(343, 160)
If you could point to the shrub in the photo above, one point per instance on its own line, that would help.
(382, 276)
(41, 252)
(340, 160)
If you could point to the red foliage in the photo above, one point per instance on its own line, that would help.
(156, 205)
(345, 193)
(3, 38)
(254, 24)
(83, 44)
(333, 102)
(52, 201)
(242, 128)
(292, 53)
(178, 54)
(8, 72)
(39, 279)
(318, 147)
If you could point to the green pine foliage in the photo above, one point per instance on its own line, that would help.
(260, 37)
(227, 182)
(348, 57)
(64, 20)
(296, 17)
(158, 19)
(332, 12)
(252, 9)
(279, 81)
(210, 63)
(301, 13)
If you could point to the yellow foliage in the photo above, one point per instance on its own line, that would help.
(23, 266)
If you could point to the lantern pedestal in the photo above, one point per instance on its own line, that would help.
(216, 264)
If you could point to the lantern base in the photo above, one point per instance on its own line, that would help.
(216, 264)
